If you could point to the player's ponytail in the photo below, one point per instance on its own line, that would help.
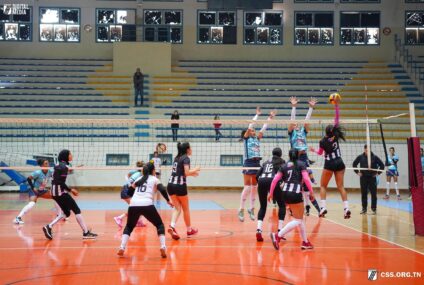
(179, 150)
(293, 155)
(335, 131)
(277, 161)
(147, 170)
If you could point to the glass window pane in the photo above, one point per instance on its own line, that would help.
(253, 19)
(163, 34)
(115, 33)
(346, 36)
(11, 32)
(59, 33)
(421, 36)
(123, 17)
(173, 18)
(313, 36)
(49, 16)
(273, 19)
(103, 34)
(373, 36)
(226, 19)
(303, 19)
(3, 16)
(176, 35)
(207, 18)
(349, 19)
(300, 36)
(249, 36)
(411, 36)
(275, 36)
(69, 16)
(105, 17)
(415, 19)
(370, 20)
(204, 35)
(1, 32)
(324, 20)
(46, 32)
(217, 35)
(24, 17)
(262, 34)
(152, 17)
(358, 36)
(72, 33)
(327, 36)
(24, 32)
(149, 34)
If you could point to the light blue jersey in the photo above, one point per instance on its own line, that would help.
(251, 148)
(393, 162)
(42, 181)
(134, 177)
(297, 139)
(422, 163)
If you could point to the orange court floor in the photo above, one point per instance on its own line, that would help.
(225, 251)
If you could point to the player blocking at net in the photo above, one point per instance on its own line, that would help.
(143, 191)
(252, 158)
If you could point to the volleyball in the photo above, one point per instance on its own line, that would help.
(334, 98)
(161, 148)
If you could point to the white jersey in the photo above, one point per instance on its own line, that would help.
(157, 162)
(143, 194)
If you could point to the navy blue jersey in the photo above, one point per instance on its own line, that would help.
(178, 173)
(331, 147)
(292, 176)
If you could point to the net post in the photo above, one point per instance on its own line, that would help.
(412, 119)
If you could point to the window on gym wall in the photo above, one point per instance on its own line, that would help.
(360, 1)
(216, 27)
(414, 27)
(314, 28)
(15, 26)
(163, 26)
(414, 1)
(60, 24)
(360, 28)
(313, 1)
(263, 28)
(115, 25)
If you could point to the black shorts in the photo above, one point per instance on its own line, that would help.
(292, 197)
(251, 163)
(177, 189)
(334, 165)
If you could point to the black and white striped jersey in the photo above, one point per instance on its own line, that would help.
(178, 174)
(292, 176)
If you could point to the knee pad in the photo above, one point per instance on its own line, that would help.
(161, 229)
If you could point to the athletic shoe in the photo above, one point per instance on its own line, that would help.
(251, 213)
(140, 224)
(241, 215)
(346, 213)
(259, 236)
(373, 212)
(173, 233)
(363, 212)
(121, 252)
(163, 252)
(386, 197)
(18, 221)
(306, 245)
(399, 198)
(89, 235)
(275, 240)
(323, 212)
(192, 232)
(308, 209)
(118, 221)
(48, 232)
(281, 238)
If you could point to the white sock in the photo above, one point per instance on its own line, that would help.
(80, 221)
(162, 241)
(387, 188)
(302, 230)
(57, 207)
(26, 208)
(244, 194)
(57, 219)
(304, 199)
(253, 194)
(396, 188)
(124, 240)
(260, 225)
(346, 204)
(175, 215)
(122, 216)
(280, 224)
(324, 204)
(288, 228)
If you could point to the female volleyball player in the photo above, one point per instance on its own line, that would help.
(392, 172)
(60, 193)
(297, 138)
(139, 164)
(40, 184)
(294, 175)
(143, 191)
(329, 146)
(177, 189)
(252, 157)
(264, 176)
